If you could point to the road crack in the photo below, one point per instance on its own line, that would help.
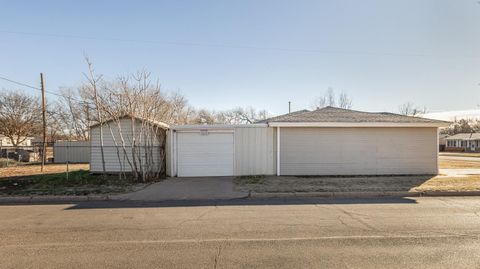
(217, 256)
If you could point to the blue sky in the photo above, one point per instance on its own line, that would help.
(260, 53)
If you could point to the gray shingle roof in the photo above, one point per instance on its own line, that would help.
(334, 114)
(465, 136)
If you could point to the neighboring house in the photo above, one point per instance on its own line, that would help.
(464, 142)
(6, 142)
(22, 152)
(118, 137)
(442, 141)
(327, 141)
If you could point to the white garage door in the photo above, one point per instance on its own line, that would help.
(358, 151)
(207, 154)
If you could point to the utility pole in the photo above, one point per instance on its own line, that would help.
(44, 118)
(289, 110)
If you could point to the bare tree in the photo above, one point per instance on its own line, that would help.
(344, 101)
(409, 109)
(241, 115)
(329, 98)
(93, 81)
(204, 116)
(19, 116)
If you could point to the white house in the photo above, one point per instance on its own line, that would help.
(327, 141)
(468, 142)
(6, 142)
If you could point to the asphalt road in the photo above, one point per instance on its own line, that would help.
(364, 233)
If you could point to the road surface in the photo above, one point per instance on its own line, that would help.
(425, 232)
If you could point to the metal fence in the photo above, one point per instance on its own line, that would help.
(71, 152)
(60, 152)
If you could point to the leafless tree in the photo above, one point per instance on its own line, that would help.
(241, 115)
(19, 116)
(344, 101)
(409, 109)
(203, 116)
(329, 98)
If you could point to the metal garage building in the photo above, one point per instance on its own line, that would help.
(327, 141)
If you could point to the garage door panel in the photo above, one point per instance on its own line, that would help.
(353, 151)
(205, 155)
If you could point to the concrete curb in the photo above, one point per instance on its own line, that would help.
(252, 195)
(255, 195)
(51, 199)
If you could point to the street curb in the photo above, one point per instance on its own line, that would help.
(251, 195)
(255, 195)
(52, 199)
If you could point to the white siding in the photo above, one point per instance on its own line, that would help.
(73, 151)
(255, 151)
(358, 151)
(168, 151)
(115, 158)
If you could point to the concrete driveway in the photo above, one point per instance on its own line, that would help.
(193, 188)
(459, 172)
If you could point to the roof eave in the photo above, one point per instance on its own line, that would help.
(358, 124)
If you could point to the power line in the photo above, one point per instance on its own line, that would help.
(232, 46)
(39, 89)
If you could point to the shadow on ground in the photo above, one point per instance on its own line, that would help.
(235, 202)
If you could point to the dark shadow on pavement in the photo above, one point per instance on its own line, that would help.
(238, 202)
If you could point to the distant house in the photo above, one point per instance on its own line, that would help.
(6, 142)
(24, 151)
(442, 141)
(464, 142)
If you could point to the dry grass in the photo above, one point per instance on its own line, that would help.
(458, 164)
(460, 154)
(34, 169)
(442, 183)
(332, 184)
(361, 184)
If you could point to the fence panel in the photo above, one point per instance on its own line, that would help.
(71, 151)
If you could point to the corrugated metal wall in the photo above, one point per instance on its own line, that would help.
(255, 151)
(71, 151)
(115, 158)
(358, 151)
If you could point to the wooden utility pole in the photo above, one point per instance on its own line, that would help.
(44, 118)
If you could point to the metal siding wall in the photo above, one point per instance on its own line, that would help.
(114, 163)
(358, 151)
(73, 151)
(254, 151)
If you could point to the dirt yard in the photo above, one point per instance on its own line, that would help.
(34, 169)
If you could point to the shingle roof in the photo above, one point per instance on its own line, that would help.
(465, 136)
(334, 114)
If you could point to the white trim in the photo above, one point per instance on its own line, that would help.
(234, 172)
(219, 126)
(172, 155)
(175, 154)
(356, 124)
(438, 149)
(209, 130)
(278, 151)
